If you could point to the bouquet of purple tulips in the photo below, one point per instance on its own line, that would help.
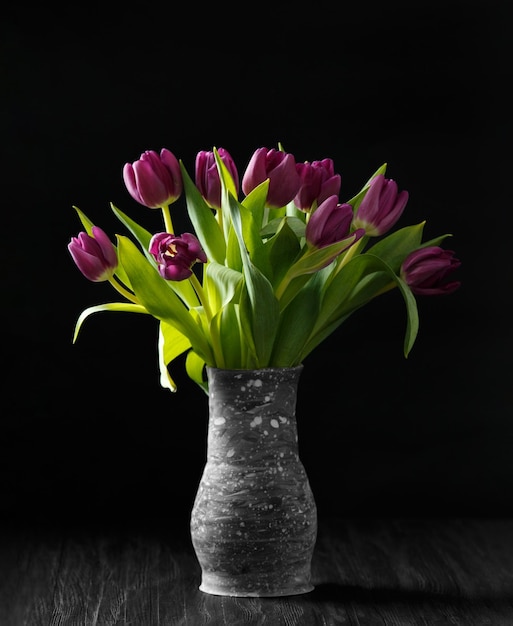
(264, 278)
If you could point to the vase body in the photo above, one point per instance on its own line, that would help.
(254, 518)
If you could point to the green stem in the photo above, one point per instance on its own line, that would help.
(168, 223)
(123, 290)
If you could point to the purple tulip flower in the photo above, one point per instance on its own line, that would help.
(318, 182)
(381, 206)
(330, 223)
(426, 271)
(154, 180)
(207, 175)
(175, 255)
(94, 256)
(277, 166)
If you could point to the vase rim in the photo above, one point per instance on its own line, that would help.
(255, 369)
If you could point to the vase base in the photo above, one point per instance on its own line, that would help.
(256, 593)
(256, 584)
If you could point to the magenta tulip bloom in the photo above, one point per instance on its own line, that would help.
(207, 175)
(277, 166)
(175, 255)
(318, 182)
(426, 271)
(330, 223)
(94, 256)
(381, 206)
(154, 180)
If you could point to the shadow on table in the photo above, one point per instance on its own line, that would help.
(334, 592)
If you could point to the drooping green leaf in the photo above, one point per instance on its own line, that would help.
(153, 293)
(171, 345)
(127, 307)
(206, 226)
(359, 281)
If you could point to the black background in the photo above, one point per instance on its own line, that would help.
(86, 432)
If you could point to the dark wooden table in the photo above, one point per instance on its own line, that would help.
(367, 572)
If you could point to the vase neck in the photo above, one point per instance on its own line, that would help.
(252, 413)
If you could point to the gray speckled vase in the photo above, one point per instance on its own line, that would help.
(254, 519)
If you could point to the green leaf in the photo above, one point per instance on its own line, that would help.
(259, 309)
(142, 235)
(171, 345)
(297, 226)
(359, 281)
(153, 293)
(313, 260)
(86, 222)
(282, 250)
(221, 285)
(356, 200)
(255, 202)
(195, 367)
(394, 248)
(296, 324)
(203, 219)
(226, 324)
(127, 307)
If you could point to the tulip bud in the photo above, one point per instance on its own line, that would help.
(425, 271)
(381, 207)
(329, 223)
(154, 180)
(175, 255)
(95, 256)
(207, 175)
(318, 182)
(277, 166)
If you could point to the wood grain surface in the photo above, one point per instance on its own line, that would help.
(386, 572)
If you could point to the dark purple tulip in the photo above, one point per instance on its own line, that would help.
(381, 206)
(94, 256)
(207, 175)
(175, 255)
(329, 223)
(426, 271)
(154, 180)
(277, 166)
(318, 182)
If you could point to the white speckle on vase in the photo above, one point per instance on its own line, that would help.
(274, 423)
(267, 398)
(230, 452)
(283, 419)
(219, 420)
(266, 432)
(243, 388)
(256, 421)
